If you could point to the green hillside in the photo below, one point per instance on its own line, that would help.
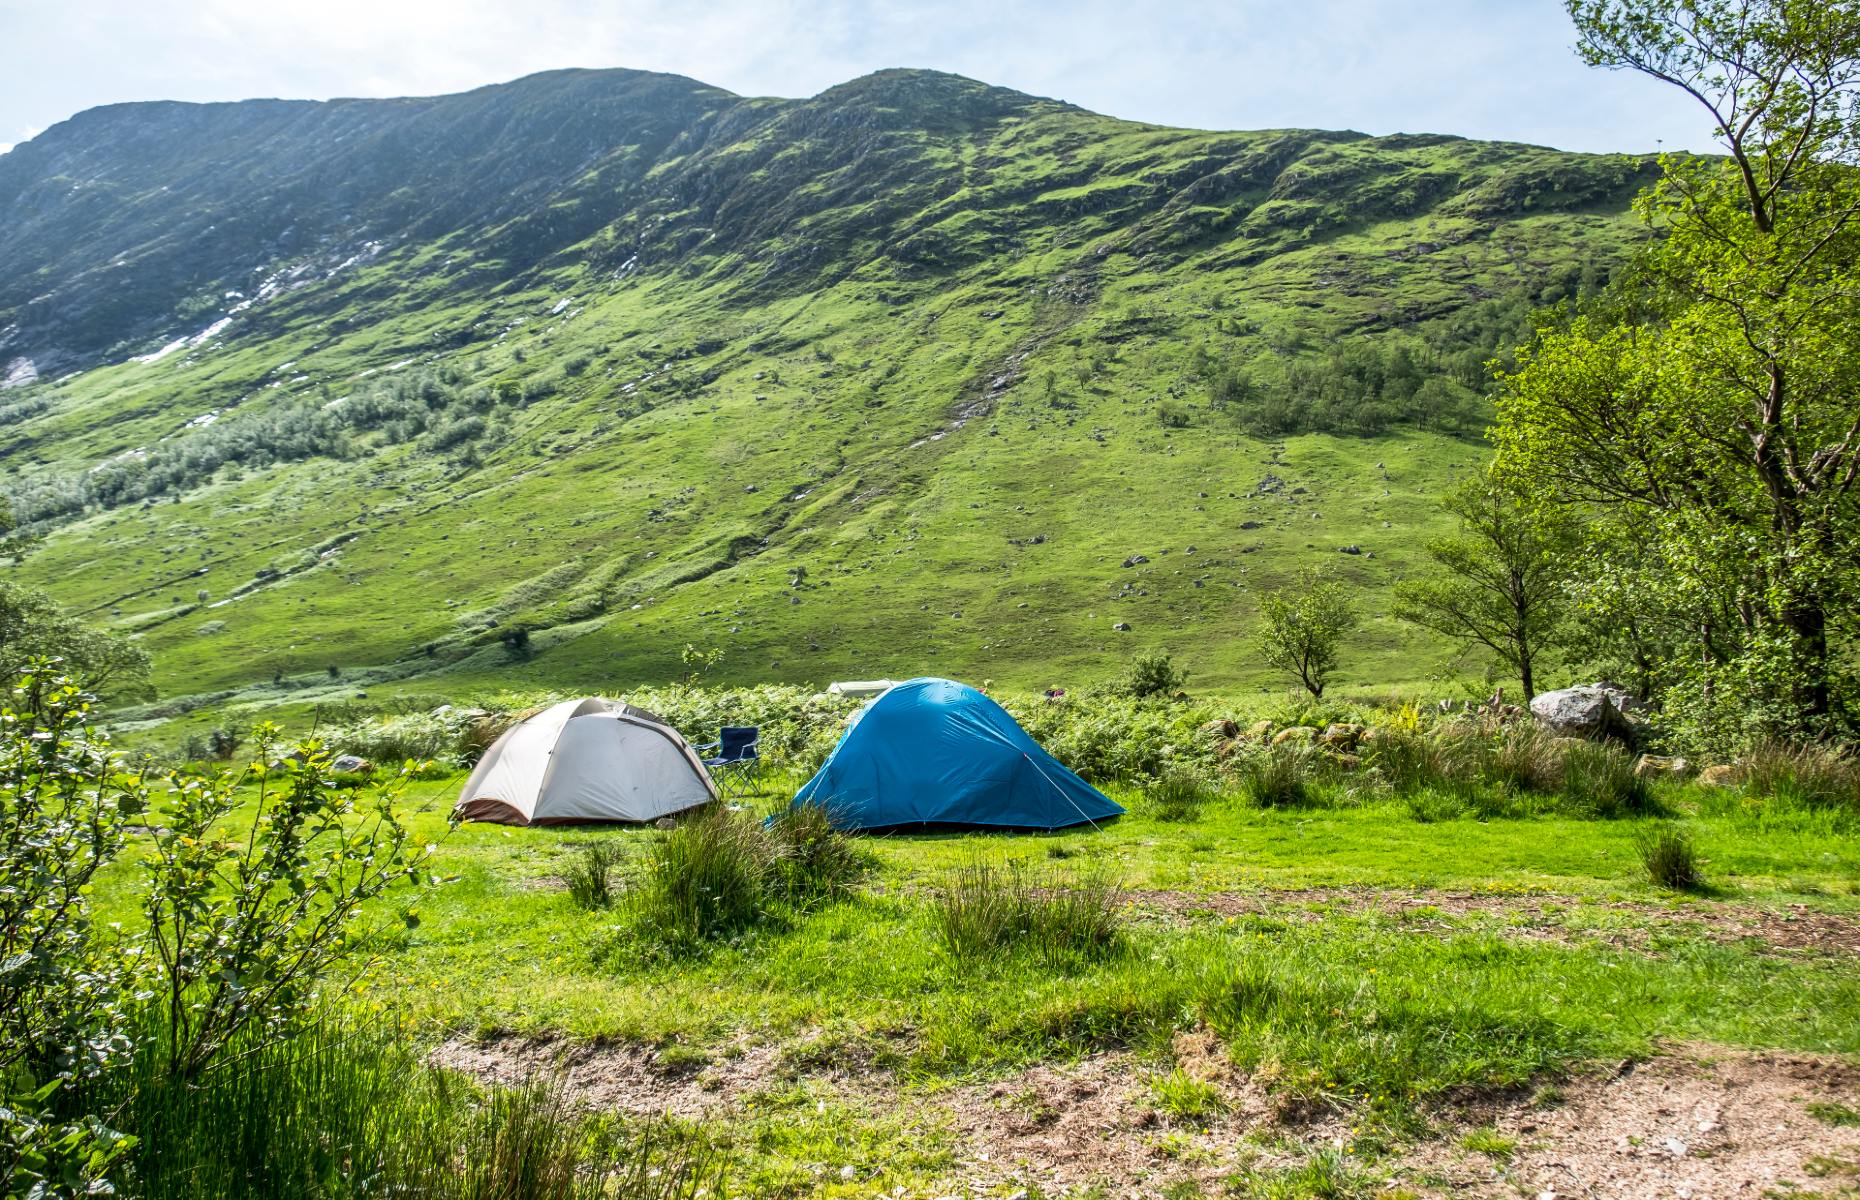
(544, 381)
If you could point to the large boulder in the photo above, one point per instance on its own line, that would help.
(1594, 711)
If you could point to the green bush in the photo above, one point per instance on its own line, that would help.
(1667, 855)
(1150, 675)
(986, 913)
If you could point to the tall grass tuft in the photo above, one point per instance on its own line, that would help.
(589, 874)
(1179, 794)
(1279, 777)
(347, 1113)
(1803, 777)
(1667, 854)
(986, 913)
(1524, 757)
(706, 880)
(1600, 779)
(811, 861)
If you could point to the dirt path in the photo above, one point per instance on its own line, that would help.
(1700, 1124)
(1793, 929)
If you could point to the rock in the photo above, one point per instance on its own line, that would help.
(1250, 525)
(665, 823)
(1718, 775)
(1259, 731)
(1222, 727)
(1340, 736)
(1345, 759)
(1650, 766)
(1135, 560)
(1297, 733)
(1591, 711)
(1352, 549)
(1121, 627)
(350, 764)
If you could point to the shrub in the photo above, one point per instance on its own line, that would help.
(1600, 779)
(1179, 795)
(1667, 855)
(64, 804)
(1279, 777)
(1412, 762)
(590, 873)
(986, 913)
(1150, 675)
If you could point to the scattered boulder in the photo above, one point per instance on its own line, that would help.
(1259, 731)
(1340, 736)
(1591, 711)
(1351, 549)
(1297, 733)
(1222, 727)
(351, 764)
(1653, 766)
(1718, 775)
(1121, 627)
(665, 823)
(1135, 560)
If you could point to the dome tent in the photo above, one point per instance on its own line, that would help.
(936, 752)
(585, 760)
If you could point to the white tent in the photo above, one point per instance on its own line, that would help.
(585, 760)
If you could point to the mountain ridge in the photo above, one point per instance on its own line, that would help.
(688, 341)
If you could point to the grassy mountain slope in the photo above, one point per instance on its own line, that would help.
(549, 379)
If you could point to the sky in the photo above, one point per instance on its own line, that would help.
(1500, 69)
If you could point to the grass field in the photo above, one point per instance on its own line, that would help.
(1319, 1002)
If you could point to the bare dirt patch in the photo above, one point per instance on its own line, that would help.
(1795, 930)
(1699, 1126)
(616, 1076)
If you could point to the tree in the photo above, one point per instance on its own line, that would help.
(1502, 582)
(33, 626)
(1716, 401)
(13, 545)
(1302, 626)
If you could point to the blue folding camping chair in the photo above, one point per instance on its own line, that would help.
(732, 760)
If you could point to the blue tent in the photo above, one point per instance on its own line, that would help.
(934, 752)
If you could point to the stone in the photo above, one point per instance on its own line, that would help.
(1297, 733)
(1222, 727)
(665, 823)
(1650, 766)
(1351, 549)
(1135, 560)
(1250, 525)
(350, 764)
(1590, 711)
(1718, 775)
(1340, 736)
(1259, 731)
(1121, 627)
(1345, 759)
